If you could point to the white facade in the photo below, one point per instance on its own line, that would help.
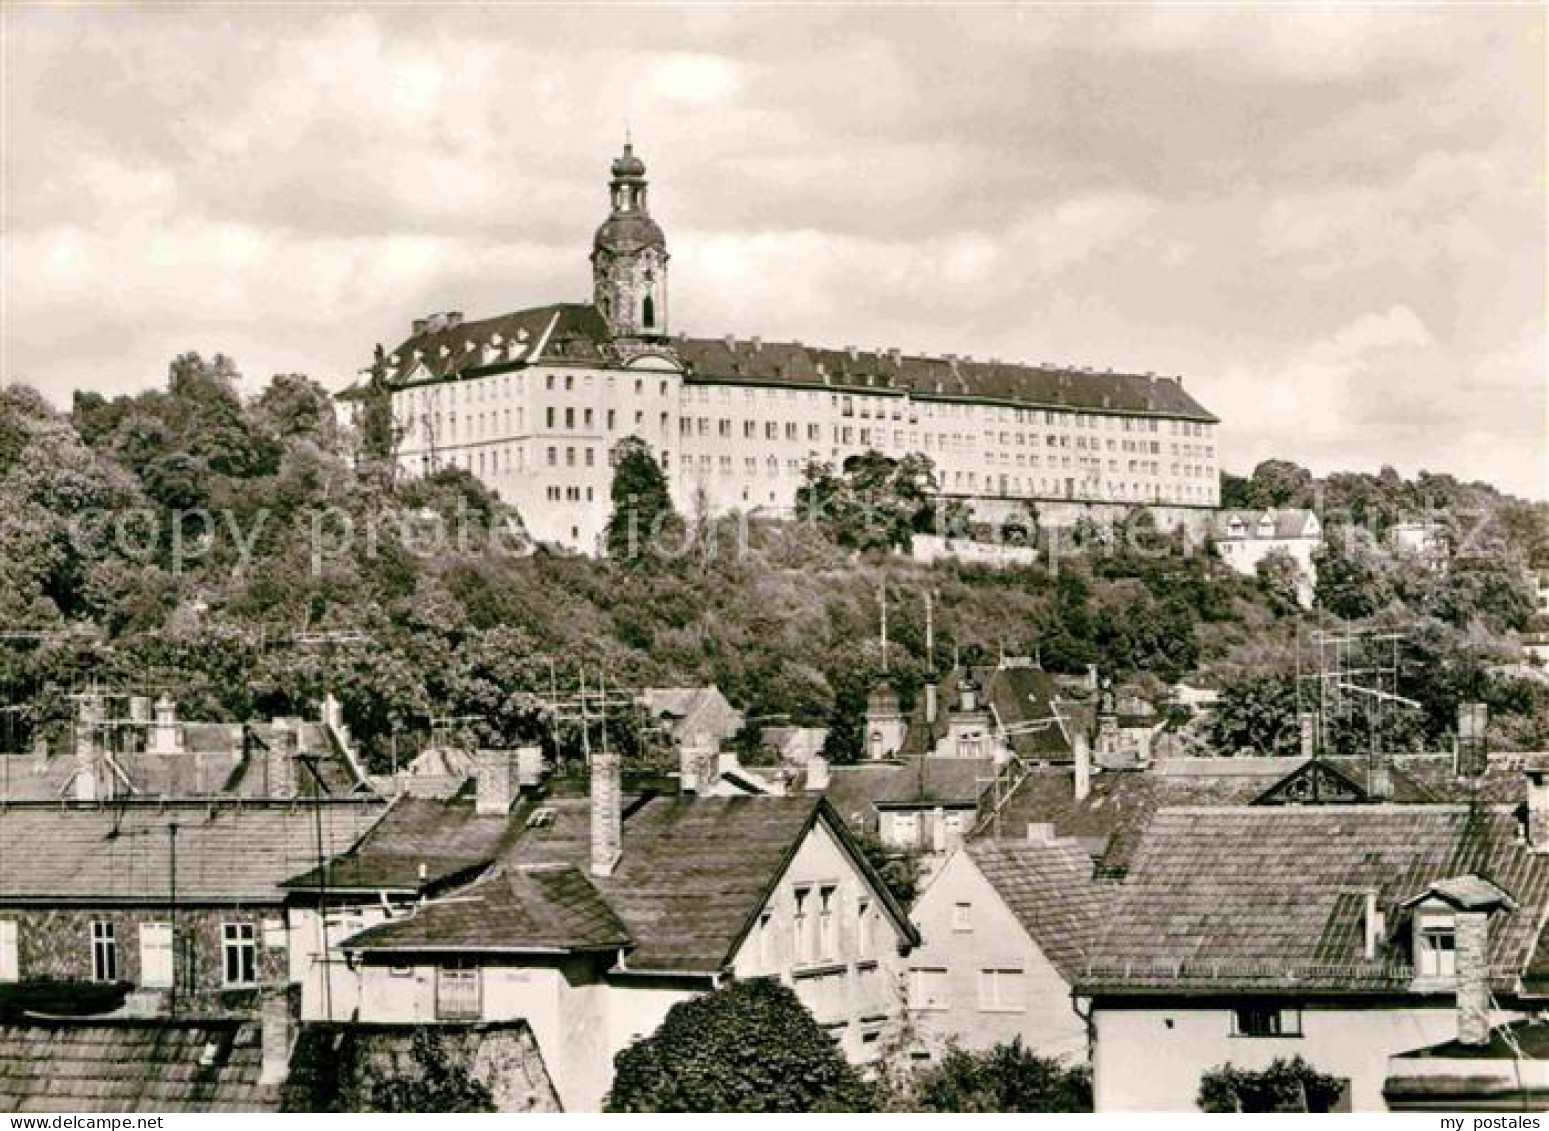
(977, 977)
(1245, 538)
(1150, 1059)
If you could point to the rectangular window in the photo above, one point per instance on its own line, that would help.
(927, 987)
(104, 952)
(828, 922)
(1001, 991)
(766, 941)
(1266, 1021)
(10, 964)
(1436, 954)
(863, 929)
(458, 991)
(239, 954)
(548, 417)
(156, 955)
(801, 921)
(962, 917)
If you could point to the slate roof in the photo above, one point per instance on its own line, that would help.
(1016, 695)
(1289, 522)
(694, 871)
(227, 852)
(1256, 898)
(540, 907)
(449, 839)
(575, 331)
(1050, 889)
(133, 1066)
(693, 712)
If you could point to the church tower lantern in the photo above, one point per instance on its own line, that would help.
(629, 257)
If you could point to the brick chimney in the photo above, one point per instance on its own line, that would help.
(493, 786)
(1538, 806)
(1472, 932)
(88, 716)
(607, 817)
(276, 1034)
(1083, 751)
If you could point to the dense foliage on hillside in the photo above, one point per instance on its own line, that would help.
(205, 541)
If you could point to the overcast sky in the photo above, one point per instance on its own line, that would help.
(1330, 221)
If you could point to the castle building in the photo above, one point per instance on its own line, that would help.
(534, 402)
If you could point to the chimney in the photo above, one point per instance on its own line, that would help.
(140, 709)
(275, 1033)
(1375, 928)
(1379, 777)
(280, 762)
(332, 712)
(1040, 832)
(1307, 722)
(698, 765)
(1538, 806)
(87, 718)
(930, 701)
(166, 736)
(1472, 933)
(420, 326)
(454, 318)
(607, 815)
(1473, 756)
(1091, 677)
(492, 770)
(1083, 751)
(817, 774)
(529, 766)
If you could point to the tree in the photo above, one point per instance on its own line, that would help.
(1005, 1078)
(642, 504)
(1258, 715)
(750, 1047)
(1285, 1086)
(348, 1070)
(1281, 580)
(875, 502)
(898, 869)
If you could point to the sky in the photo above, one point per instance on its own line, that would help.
(1329, 220)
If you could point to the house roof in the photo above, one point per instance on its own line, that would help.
(1015, 696)
(543, 907)
(1050, 889)
(119, 1066)
(419, 844)
(694, 871)
(1255, 897)
(693, 712)
(575, 331)
(226, 851)
(917, 783)
(1287, 522)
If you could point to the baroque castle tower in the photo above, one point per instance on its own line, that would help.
(629, 257)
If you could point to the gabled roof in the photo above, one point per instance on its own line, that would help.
(538, 907)
(119, 1066)
(694, 873)
(1050, 889)
(1015, 696)
(1284, 522)
(1233, 899)
(226, 851)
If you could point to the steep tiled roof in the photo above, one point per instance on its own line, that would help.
(537, 907)
(1017, 696)
(1049, 888)
(1254, 897)
(1287, 522)
(694, 870)
(419, 844)
(226, 851)
(124, 1066)
(574, 331)
(693, 712)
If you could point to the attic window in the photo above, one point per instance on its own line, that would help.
(541, 818)
(1436, 948)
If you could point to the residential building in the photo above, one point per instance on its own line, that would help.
(175, 900)
(1006, 927)
(534, 403)
(1245, 538)
(923, 804)
(1342, 934)
(589, 916)
(692, 714)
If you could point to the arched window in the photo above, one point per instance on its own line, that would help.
(648, 311)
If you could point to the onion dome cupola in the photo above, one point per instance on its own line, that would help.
(629, 257)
